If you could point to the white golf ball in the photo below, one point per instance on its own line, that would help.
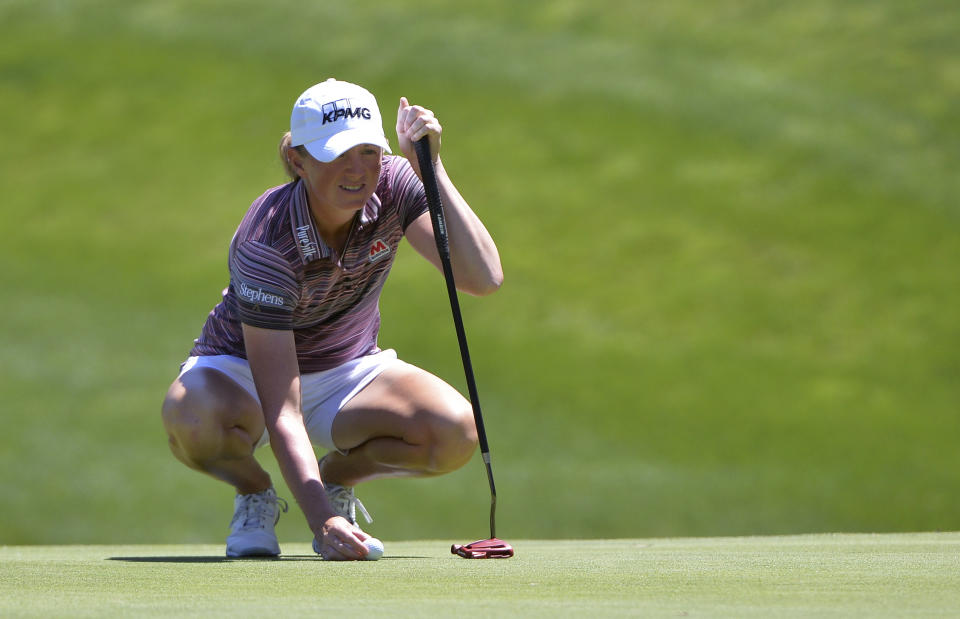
(375, 548)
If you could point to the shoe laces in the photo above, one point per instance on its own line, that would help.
(254, 510)
(345, 503)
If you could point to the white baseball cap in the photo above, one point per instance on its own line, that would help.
(333, 117)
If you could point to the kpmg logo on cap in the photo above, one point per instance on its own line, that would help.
(342, 109)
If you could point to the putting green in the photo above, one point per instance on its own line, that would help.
(730, 231)
(822, 575)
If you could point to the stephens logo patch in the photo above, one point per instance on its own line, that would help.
(379, 250)
(258, 297)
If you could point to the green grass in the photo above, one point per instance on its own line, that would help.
(729, 232)
(818, 575)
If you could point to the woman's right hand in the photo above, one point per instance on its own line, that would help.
(342, 541)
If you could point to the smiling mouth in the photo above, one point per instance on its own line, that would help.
(352, 188)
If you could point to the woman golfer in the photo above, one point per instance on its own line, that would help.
(290, 355)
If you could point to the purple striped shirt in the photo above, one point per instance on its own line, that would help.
(283, 276)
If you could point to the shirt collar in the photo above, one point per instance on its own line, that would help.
(371, 211)
(309, 243)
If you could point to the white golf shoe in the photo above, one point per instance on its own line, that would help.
(252, 528)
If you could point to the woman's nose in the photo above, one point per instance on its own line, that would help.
(354, 161)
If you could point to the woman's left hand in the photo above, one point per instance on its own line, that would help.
(414, 122)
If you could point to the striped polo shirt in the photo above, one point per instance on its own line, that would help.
(283, 276)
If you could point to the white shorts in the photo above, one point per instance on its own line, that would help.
(323, 394)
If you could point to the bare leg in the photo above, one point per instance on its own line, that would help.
(406, 423)
(213, 425)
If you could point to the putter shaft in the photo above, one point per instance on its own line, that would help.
(435, 204)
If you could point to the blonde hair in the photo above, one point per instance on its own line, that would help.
(284, 149)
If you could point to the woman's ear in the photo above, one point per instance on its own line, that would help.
(295, 161)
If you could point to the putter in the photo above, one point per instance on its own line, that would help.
(491, 548)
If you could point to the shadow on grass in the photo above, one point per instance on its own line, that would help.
(210, 559)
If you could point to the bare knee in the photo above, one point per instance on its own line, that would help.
(194, 436)
(204, 423)
(408, 420)
(454, 438)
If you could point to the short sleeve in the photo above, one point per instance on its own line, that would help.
(265, 285)
(407, 191)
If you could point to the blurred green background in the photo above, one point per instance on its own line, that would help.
(729, 231)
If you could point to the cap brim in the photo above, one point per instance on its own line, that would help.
(327, 151)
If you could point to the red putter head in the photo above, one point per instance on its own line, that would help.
(492, 548)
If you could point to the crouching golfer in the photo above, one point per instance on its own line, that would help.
(290, 355)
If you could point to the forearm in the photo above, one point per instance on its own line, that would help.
(473, 253)
(273, 362)
(298, 465)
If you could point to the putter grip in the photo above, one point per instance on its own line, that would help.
(422, 146)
